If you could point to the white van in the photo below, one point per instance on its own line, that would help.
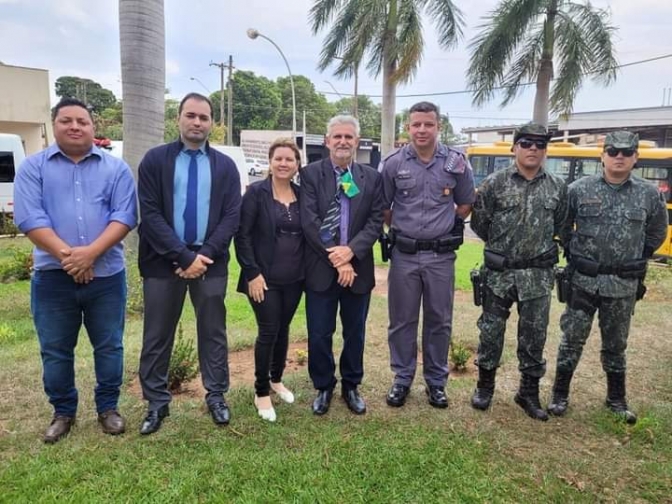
(238, 156)
(11, 156)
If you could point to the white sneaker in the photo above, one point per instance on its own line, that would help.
(283, 392)
(266, 414)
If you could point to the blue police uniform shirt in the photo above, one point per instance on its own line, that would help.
(77, 200)
(180, 193)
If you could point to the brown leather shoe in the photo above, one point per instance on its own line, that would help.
(112, 422)
(58, 428)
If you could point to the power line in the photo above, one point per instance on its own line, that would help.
(470, 91)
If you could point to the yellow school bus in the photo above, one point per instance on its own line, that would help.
(572, 162)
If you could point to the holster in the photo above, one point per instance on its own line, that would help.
(478, 285)
(641, 290)
(494, 261)
(405, 244)
(385, 246)
(563, 282)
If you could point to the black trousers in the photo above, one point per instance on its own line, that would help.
(164, 299)
(274, 315)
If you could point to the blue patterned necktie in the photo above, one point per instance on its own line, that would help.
(191, 208)
(330, 228)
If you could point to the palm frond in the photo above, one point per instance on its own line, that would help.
(573, 57)
(491, 50)
(448, 19)
(321, 13)
(525, 67)
(409, 42)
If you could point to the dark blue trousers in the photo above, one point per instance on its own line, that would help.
(321, 310)
(59, 307)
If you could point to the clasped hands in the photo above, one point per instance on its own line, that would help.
(340, 257)
(78, 263)
(196, 269)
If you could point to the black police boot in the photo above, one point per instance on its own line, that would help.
(560, 399)
(616, 397)
(528, 397)
(485, 388)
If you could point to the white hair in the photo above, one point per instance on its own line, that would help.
(343, 119)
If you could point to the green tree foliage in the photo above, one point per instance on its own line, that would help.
(256, 103)
(171, 132)
(369, 114)
(318, 109)
(86, 90)
(109, 122)
(528, 40)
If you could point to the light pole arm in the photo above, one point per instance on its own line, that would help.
(291, 80)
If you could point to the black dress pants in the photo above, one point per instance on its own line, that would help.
(274, 316)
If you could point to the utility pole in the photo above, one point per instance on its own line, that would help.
(229, 123)
(229, 112)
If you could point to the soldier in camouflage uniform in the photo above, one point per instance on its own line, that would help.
(616, 220)
(517, 213)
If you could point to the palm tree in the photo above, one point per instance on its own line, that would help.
(390, 32)
(521, 39)
(143, 76)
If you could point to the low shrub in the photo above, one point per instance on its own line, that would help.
(183, 363)
(459, 355)
(18, 267)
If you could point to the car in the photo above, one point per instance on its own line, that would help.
(256, 166)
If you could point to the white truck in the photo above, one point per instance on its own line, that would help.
(11, 156)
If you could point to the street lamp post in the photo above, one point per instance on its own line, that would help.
(202, 85)
(253, 34)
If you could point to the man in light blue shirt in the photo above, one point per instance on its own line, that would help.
(76, 204)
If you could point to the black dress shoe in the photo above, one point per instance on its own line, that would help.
(152, 421)
(437, 397)
(396, 397)
(322, 401)
(354, 401)
(219, 412)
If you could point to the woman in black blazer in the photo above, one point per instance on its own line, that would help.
(269, 248)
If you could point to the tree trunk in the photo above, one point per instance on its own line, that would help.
(542, 97)
(387, 132)
(143, 79)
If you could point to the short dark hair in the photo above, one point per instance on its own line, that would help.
(197, 97)
(69, 102)
(424, 106)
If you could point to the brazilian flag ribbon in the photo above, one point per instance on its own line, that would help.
(348, 185)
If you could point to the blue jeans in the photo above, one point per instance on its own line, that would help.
(59, 306)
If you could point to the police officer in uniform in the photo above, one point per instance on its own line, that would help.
(428, 188)
(517, 213)
(616, 221)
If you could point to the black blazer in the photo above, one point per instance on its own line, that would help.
(255, 240)
(160, 249)
(318, 186)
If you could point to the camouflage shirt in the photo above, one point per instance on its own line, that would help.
(518, 218)
(613, 224)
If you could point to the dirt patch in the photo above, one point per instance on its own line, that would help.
(241, 372)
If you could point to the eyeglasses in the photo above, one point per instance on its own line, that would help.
(527, 144)
(613, 152)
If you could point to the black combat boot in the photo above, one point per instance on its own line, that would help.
(528, 397)
(560, 399)
(616, 397)
(485, 388)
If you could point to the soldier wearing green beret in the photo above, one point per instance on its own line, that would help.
(616, 220)
(518, 211)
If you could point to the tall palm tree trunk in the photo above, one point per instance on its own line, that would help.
(143, 80)
(387, 130)
(542, 97)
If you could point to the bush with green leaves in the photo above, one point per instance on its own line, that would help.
(183, 363)
(18, 267)
(7, 226)
(135, 302)
(459, 355)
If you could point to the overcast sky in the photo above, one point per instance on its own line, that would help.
(81, 38)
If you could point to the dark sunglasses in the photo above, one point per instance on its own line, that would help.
(613, 152)
(527, 144)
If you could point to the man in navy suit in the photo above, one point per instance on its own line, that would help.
(342, 217)
(190, 208)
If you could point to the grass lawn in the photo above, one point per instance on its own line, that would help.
(413, 454)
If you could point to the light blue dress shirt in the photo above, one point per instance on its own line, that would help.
(77, 200)
(180, 193)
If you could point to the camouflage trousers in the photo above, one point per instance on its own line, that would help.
(532, 325)
(576, 321)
